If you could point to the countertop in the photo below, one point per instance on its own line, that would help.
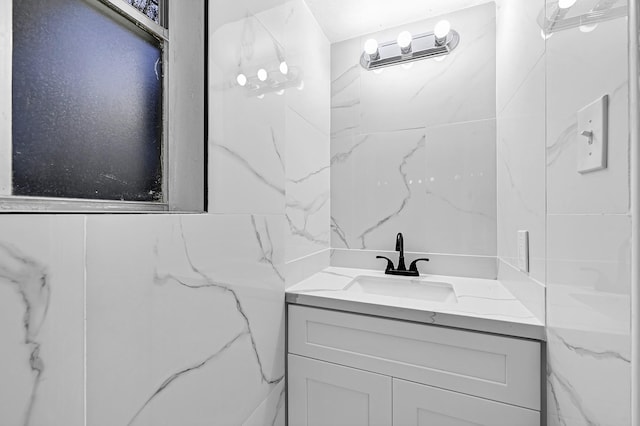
(482, 304)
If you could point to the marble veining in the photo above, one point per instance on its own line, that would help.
(583, 351)
(401, 169)
(244, 163)
(29, 277)
(558, 383)
(187, 370)
(339, 232)
(205, 281)
(267, 247)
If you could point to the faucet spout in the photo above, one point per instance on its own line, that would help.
(400, 248)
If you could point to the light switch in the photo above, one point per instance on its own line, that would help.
(593, 135)
(523, 251)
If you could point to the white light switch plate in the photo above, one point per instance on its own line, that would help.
(523, 251)
(593, 135)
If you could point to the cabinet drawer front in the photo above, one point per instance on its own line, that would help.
(420, 405)
(324, 394)
(494, 367)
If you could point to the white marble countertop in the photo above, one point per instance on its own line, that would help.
(482, 304)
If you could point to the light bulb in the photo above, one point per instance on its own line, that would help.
(262, 74)
(442, 29)
(371, 47)
(284, 68)
(280, 92)
(241, 79)
(588, 28)
(566, 4)
(404, 40)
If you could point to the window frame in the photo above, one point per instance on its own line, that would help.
(17, 204)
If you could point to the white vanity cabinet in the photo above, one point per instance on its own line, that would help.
(351, 369)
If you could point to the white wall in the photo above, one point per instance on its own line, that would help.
(588, 232)
(579, 224)
(179, 318)
(413, 147)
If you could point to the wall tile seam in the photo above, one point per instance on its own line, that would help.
(523, 274)
(307, 256)
(420, 253)
(409, 129)
(628, 214)
(512, 97)
(315, 126)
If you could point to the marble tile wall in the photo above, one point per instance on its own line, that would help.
(185, 322)
(521, 184)
(393, 137)
(42, 320)
(588, 231)
(179, 319)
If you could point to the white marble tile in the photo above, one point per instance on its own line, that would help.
(345, 88)
(519, 46)
(302, 268)
(529, 292)
(376, 190)
(588, 317)
(521, 184)
(271, 411)
(575, 79)
(307, 187)
(460, 188)
(41, 320)
(185, 318)
(457, 265)
(246, 146)
(459, 88)
(307, 48)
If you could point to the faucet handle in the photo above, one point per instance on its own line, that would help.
(413, 266)
(389, 263)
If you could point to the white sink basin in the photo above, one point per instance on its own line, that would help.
(408, 288)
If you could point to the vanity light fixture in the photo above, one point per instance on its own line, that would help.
(371, 49)
(241, 79)
(566, 4)
(555, 16)
(275, 78)
(407, 48)
(284, 68)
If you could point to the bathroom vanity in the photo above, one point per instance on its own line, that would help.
(368, 349)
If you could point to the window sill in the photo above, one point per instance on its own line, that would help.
(14, 204)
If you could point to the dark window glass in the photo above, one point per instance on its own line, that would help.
(148, 7)
(87, 103)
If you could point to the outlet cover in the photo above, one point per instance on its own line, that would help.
(523, 251)
(592, 136)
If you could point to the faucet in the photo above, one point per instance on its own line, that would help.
(402, 268)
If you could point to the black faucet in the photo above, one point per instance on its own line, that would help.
(401, 269)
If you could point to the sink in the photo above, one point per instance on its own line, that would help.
(408, 288)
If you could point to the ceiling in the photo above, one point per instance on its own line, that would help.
(344, 19)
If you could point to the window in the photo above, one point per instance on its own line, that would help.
(89, 111)
(150, 8)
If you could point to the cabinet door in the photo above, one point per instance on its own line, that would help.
(324, 394)
(421, 405)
